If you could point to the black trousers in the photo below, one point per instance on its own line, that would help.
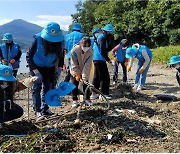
(101, 77)
(8, 92)
(68, 75)
(178, 77)
(79, 88)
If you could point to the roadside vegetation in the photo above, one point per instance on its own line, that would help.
(161, 55)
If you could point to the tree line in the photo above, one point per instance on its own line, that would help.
(150, 22)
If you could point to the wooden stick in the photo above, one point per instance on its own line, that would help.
(47, 119)
(28, 103)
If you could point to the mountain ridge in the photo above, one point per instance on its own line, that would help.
(22, 31)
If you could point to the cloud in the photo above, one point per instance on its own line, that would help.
(63, 21)
(4, 21)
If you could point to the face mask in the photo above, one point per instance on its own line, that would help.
(85, 49)
(124, 48)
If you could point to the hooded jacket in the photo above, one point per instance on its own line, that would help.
(81, 62)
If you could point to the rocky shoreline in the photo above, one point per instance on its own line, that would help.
(135, 121)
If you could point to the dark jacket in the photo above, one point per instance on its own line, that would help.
(30, 57)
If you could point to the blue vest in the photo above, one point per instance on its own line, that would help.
(139, 55)
(120, 54)
(13, 54)
(40, 59)
(72, 39)
(97, 55)
(92, 41)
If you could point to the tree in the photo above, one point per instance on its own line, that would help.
(145, 22)
(85, 15)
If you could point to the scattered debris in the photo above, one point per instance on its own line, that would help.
(109, 136)
(130, 140)
(152, 121)
(125, 111)
(166, 97)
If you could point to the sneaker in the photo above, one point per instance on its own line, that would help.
(114, 83)
(107, 97)
(48, 113)
(178, 92)
(39, 116)
(140, 87)
(88, 102)
(74, 104)
(94, 96)
(135, 86)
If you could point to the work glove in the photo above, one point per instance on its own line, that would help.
(77, 77)
(126, 63)
(39, 78)
(115, 59)
(5, 62)
(129, 68)
(12, 61)
(141, 70)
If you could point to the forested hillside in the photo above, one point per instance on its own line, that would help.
(153, 23)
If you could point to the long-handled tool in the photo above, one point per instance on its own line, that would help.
(28, 83)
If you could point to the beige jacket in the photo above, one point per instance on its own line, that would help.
(81, 63)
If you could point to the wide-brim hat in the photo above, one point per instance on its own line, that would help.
(8, 78)
(77, 26)
(52, 98)
(174, 60)
(65, 88)
(7, 37)
(130, 52)
(96, 30)
(109, 28)
(52, 32)
(6, 73)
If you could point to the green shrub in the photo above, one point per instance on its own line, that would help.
(174, 36)
(162, 54)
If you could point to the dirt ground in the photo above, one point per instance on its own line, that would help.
(135, 121)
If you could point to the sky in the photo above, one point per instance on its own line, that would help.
(39, 12)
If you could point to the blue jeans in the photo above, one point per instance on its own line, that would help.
(115, 76)
(140, 79)
(39, 104)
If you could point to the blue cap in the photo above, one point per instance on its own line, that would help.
(174, 60)
(130, 52)
(65, 88)
(7, 37)
(52, 98)
(109, 28)
(77, 26)
(52, 32)
(96, 30)
(6, 73)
